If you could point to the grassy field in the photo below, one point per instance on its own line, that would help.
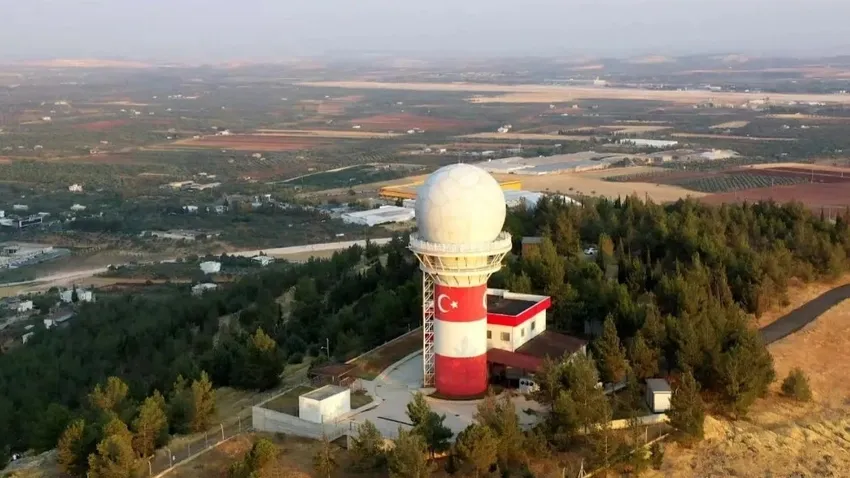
(372, 364)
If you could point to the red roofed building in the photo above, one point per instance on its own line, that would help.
(517, 339)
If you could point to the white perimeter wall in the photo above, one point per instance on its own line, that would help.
(517, 339)
(327, 410)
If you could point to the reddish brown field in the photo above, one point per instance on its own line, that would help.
(817, 175)
(813, 195)
(97, 126)
(406, 121)
(250, 142)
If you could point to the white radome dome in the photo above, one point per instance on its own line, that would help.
(460, 204)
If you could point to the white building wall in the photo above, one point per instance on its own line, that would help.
(659, 402)
(24, 305)
(327, 410)
(518, 336)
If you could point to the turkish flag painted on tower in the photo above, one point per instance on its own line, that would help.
(460, 304)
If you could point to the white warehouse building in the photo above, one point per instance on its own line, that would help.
(649, 143)
(382, 215)
(210, 267)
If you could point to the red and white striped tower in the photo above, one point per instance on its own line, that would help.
(460, 211)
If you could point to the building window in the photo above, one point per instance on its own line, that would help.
(533, 323)
(522, 332)
(489, 335)
(506, 337)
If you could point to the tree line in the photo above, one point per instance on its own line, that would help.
(242, 336)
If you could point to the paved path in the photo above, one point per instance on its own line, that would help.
(804, 315)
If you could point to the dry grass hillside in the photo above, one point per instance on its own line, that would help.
(783, 438)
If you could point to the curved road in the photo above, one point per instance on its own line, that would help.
(804, 315)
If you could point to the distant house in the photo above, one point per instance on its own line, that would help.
(263, 260)
(220, 209)
(83, 295)
(204, 287)
(210, 267)
(78, 208)
(23, 306)
(46, 118)
(190, 209)
(20, 207)
(529, 243)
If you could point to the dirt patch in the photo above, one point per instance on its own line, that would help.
(730, 125)
(407, 121)
(728, 136)
(635, 129)
(98, 126)
(594, 185)
(295, 457)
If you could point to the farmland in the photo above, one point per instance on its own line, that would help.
(713, 182)
(731, 125)
(249, 142)
(105, 125)
(527, 136)
(407, 121)
(537, 93)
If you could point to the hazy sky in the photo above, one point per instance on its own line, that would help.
(278, 29)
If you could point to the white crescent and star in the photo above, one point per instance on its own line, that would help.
(453, 303)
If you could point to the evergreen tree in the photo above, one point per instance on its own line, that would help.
(111, 398)
(612, 356)
(367, 448)
(51, 426)
(428, 424)
(408, 458)
(643, 359)
(202, 403)
(71, 459)
(114, 457)
(687, 412)
(150, 426)
(500, 416)
(476, 449)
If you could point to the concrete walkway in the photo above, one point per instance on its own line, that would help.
(395, 388)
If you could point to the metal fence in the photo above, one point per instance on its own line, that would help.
(181, 450)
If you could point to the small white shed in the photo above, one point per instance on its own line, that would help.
(324, 404)
(658, 395)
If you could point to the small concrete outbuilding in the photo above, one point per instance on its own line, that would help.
(658, 395)
(324, 404)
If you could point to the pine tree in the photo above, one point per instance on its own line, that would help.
(114, 457)
(367, 448)
(687, 412)
(111, 398)
(408, 458)
(500, 416)
(150, 427)
(71, 460)
(323, 460)
(612, 356)
(476, 449)
(592, 406)
(203, 403)
(643, 359)
(428, 424)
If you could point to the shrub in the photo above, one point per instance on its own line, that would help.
(796, 386)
